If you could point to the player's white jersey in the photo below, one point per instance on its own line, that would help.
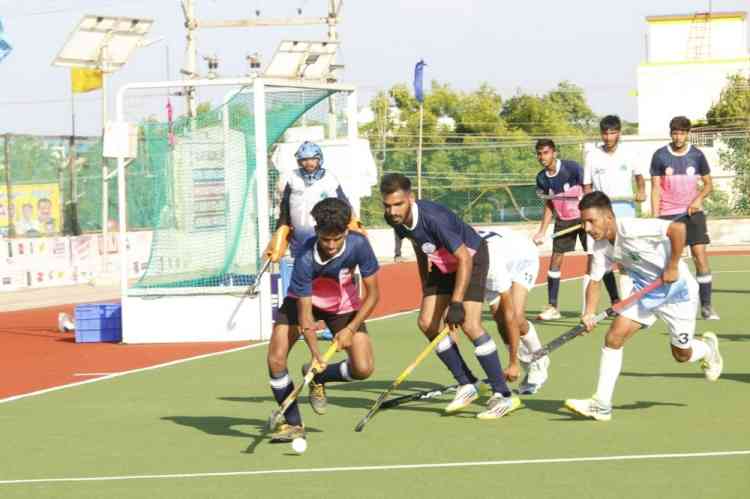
(611, 174)
(513, 258)
(643, 250)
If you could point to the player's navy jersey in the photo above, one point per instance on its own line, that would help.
(331, 283)
(567, 185)
(301, 192)
(679, 177)
(438, 233)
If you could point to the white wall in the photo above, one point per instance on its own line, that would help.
(671, 40)
(666, 91)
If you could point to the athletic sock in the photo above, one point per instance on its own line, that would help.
(448, 352)
(553, 286)
(340, 371)
(705, 281)
(699, 348)
(531, 340)
(281, 386)
(486, 353)
(610, 366)
(611, 284)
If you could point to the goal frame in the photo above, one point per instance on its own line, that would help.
(205, 316)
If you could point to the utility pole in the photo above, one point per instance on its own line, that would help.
(192, 24)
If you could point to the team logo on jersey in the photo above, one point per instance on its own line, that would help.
(623, 167)
(633, 256)
(690, 170)
(566, 186)
(428, 248)
(669, 170)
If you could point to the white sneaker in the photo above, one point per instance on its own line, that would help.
(549, 314)
(465, 395)
(712, 363)
(499, 406)
(64, 324)
(536, 375)
(590, 408)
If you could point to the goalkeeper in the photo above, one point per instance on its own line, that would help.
(301, 189)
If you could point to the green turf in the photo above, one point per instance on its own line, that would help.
(200, 417)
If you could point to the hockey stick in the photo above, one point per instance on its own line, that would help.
(574, 228)
(401, 377)
(581, 328)
(276, 415)
(420, 395)
(252, 292)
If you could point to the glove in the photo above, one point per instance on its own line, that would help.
(277, 245)
(456, 315)
(356, 225)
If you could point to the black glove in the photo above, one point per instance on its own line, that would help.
(456, 315)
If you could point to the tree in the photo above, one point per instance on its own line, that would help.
(732, 113)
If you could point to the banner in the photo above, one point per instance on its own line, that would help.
(33, 209)
(85, 80)
(418, 77)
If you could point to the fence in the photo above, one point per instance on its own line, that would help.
(52, 185)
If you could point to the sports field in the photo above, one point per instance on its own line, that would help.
(191, 430)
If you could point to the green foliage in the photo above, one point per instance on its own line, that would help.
(483, 166)
(732, 111)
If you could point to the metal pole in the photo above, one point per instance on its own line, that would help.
(11, 225)
(192, 56)
(105, 175)
(419, 152)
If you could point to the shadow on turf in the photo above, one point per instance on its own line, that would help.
(371, 386)
(731, 291)
(739, 377)
(224, 426)
(560, 410)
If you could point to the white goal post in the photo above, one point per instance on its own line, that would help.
(204, 316)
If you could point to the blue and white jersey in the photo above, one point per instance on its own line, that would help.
(438, 233)
(301, 192)
(331, 283)
(567, 184)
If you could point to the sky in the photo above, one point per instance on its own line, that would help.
(514, 46)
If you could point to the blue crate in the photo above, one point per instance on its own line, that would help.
(98, 322)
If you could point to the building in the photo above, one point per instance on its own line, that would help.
(688, 60)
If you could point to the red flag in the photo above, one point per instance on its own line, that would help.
(169, 121)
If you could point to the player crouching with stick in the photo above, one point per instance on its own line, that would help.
(323, 288)
(646, 249)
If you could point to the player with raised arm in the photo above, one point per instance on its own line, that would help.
(646, 249)
(323, 288)
(675, 170)
(561, 183)
(610, 169)
(453, 263)
(513, 269)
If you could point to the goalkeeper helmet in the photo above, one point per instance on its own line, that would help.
(309, 150)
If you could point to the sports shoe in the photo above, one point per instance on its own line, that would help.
(465, 395)
(590, 408)
(318, 400)
(499, 406)
(709, 314)
(549, 314)
(712, 364)
(64, 324)
(287, 432)
(536, 376)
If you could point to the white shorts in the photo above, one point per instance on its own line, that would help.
(524, 271)
(680, 316)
